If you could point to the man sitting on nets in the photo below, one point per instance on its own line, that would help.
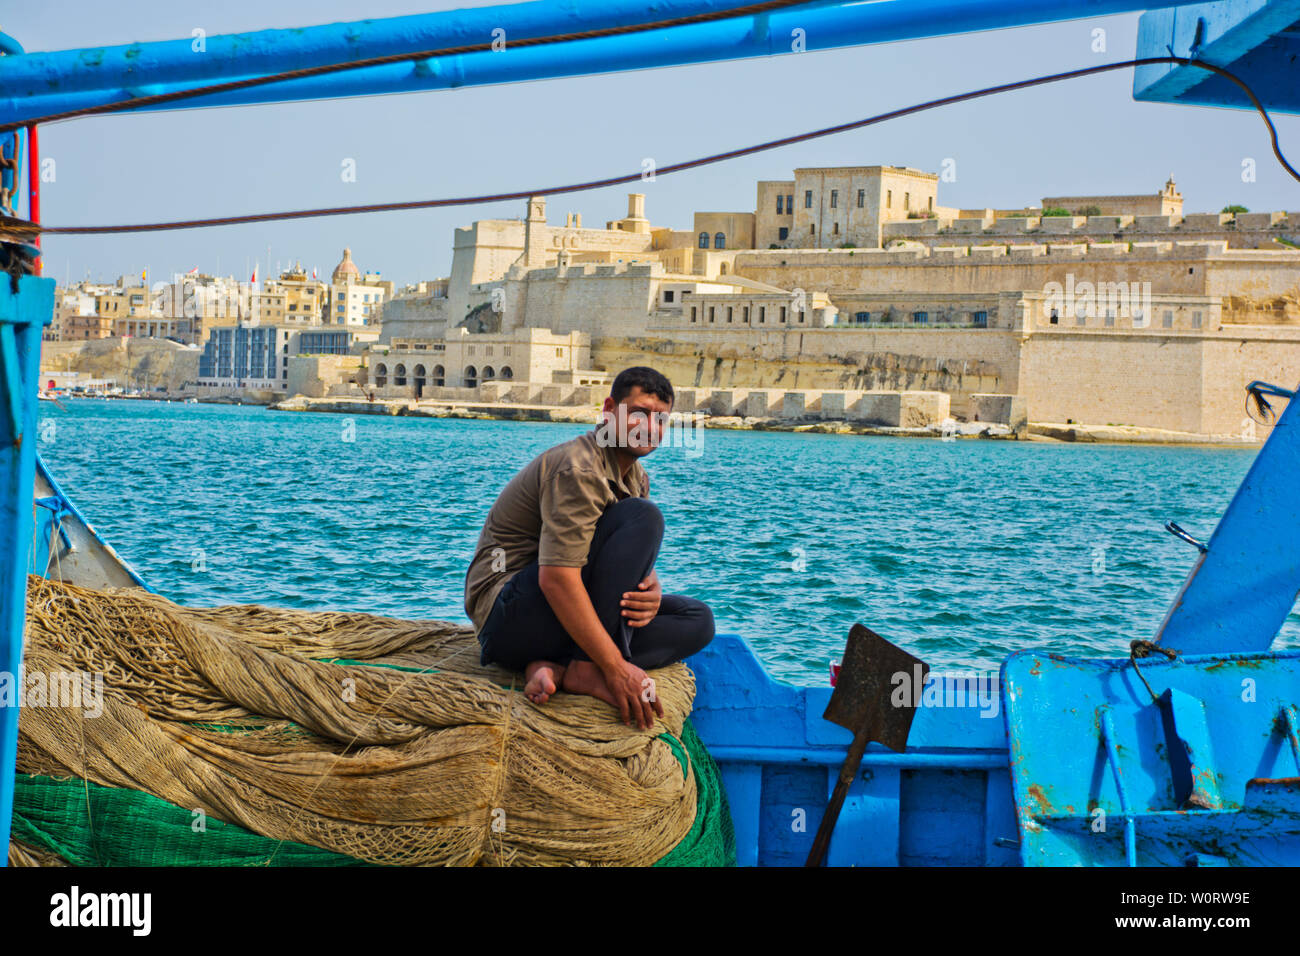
(562, 583)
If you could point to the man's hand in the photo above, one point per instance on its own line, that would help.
(641, 606)
(634, 693)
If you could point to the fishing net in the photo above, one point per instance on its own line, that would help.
(262, 736)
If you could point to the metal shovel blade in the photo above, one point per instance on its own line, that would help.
(878, 689)
(876, 696)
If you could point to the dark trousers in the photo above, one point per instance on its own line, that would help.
(522, 628)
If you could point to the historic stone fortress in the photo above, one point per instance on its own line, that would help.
(854, 280)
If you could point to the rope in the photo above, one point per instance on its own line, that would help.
(1257, 390)
(23, 227)
(388, 59)
(1137, 649)
(499, 785)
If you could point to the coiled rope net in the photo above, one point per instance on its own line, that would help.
(379, 739)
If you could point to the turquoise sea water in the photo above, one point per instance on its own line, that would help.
(959, 551)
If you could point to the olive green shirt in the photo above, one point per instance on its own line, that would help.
(547, 513)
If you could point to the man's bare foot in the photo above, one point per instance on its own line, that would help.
(543, 679)
(584, 677)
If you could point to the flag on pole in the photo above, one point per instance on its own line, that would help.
(193, 271)
(313, 273)
(254, 280)
(144, 276)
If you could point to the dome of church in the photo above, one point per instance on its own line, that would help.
(346, 268)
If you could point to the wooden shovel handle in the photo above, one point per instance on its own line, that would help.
(848, 771)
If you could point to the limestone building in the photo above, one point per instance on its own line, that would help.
(840, 206)
(883, 288)
(461, 360)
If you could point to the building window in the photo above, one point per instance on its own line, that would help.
(907, 199)
(693, 316)
(980, 319)
(929, 203)
(489, 373)
(719, 241)
(807, 199)
(780, 205)
(668, 296)
(381, 375)
(782, 313)
(471, 376)
(729, 311)
(1196, 320)
(812, 229)
(835, 229)
(861, 317)
(835, 198)
(399, 375)
(559, 353)
(1054, 318)
(862, 198)
(789, 204)
(704, 240)
(506, 372)
(783, 233)
(762, 313)
(1110, 318)
(1169, 319)
(711, 308)
(889, 199)
(921, 318)
(801, 315)
(439, 376)
(745, 315)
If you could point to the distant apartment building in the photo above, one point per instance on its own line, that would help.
(355, 300)
(75, 316)
(295, 299)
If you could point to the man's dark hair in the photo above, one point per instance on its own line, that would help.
(643, 377)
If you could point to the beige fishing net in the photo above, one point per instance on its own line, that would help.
(432, 759)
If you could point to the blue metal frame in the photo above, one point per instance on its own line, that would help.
(1255, 39)
(948, 798)
(1244, 584)
(1203, 774)
(23, 316)
(44, 83)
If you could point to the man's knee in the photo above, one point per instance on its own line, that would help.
(640, 511)
(701, 632)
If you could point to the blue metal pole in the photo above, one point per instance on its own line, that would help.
(210, 59)
(1112, 758)
(23, 315)
(158, 68)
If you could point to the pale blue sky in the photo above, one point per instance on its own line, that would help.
(1083, 136)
